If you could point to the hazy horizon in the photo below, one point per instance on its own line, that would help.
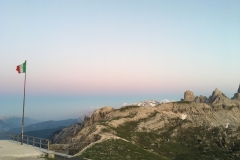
(83, 55)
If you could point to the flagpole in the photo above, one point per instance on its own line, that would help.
(23, 107)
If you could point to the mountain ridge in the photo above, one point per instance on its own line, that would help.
(45, 125)
(7, 123)
(188, 128)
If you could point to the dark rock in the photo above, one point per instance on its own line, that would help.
(217, 96)
(201, 99)
(237, 95)
(239, 89)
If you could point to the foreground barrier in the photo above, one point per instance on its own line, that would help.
(30, 140)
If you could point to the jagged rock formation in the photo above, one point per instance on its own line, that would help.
(65, 134)
(70, 136)
(217, 96)
(196, 130)
(237, 95)
(188, 96)
(201, 99)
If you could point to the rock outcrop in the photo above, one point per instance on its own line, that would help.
(99, 115)
(201, 99)
(217, 96)
(188, 96)
(237, 95)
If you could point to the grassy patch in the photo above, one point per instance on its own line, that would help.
(46, 158)
(106, 130)
(127, 107)
(175, 142)
(128, 129)
(119, 150)
(186, 102)
(131, 115)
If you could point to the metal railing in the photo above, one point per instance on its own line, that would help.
(29, 140)
(4, 135)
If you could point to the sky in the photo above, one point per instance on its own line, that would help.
(82, 55)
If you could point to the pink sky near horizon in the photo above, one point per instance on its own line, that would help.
(117, 50)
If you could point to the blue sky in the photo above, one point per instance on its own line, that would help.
(83, 55)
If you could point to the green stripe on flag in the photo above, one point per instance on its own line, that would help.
(24, 67)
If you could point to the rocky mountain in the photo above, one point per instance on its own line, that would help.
(7, 123)
(44, 133)
(194, 128)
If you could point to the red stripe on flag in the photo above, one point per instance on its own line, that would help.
(18, 69)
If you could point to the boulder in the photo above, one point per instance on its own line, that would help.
(188, 96)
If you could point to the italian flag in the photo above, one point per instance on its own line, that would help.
(22, 68)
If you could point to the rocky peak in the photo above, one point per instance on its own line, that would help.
(201, 99)
(188, 96)
(100, 114)
(216, 92)
(217, 96)
(237, 95)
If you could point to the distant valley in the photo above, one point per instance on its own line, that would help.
(46, 125)
(33, 127)
(43, 133)
(7, 123)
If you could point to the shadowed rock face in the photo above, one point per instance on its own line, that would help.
(189, 96)
(217, 96)
(237, 95)
(201, 99)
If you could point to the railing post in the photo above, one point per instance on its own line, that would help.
(48, 144)
(27, 140)
(33, 140)
(40, 143)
